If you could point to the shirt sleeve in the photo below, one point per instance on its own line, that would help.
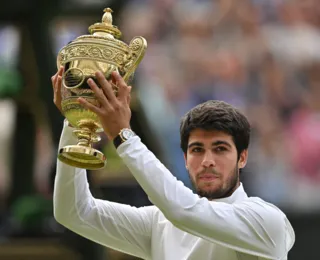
(251, 226)
(118, 226)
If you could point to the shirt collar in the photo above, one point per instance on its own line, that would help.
(237, 195)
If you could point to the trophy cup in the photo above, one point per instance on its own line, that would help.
(101, 50)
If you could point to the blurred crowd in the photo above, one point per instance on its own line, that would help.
(261, 56)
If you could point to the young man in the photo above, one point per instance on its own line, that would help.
(220, 222)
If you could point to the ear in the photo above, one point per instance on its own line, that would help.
(185, 160)
(243, 159)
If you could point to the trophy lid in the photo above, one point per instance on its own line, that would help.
(103, 46)
(105, 28)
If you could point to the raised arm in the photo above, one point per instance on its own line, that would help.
(121, 227)
(251, 226)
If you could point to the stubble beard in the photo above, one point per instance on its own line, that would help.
(225, 190)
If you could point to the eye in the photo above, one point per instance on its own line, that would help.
(220, 149)
(197, 150)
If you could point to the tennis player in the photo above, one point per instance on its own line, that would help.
(219, 222)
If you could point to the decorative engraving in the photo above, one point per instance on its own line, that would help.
(74, 106)
(137, 46)
(72, 103)
(108, 54)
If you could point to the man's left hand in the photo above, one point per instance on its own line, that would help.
(114, 111)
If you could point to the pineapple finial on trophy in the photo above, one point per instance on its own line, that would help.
(107, 17)
(105, 28)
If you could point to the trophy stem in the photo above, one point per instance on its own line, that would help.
(83, 155)
(86, 135)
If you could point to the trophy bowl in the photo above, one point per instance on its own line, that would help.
(101, 50)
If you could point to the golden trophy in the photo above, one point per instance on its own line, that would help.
(101, 50)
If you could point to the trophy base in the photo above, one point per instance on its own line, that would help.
(82, 157)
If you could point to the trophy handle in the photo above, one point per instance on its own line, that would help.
(138, 46)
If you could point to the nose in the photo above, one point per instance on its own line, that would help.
(208, 160)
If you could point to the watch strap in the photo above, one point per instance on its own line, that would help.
(117, 141)
(120, 138)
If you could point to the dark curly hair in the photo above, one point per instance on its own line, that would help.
(220, 116)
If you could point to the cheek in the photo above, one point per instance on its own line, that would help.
(225, 165)
(193, 163)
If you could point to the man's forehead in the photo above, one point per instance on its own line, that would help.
(209, 135)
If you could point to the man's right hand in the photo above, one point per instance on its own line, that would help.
(56, 84)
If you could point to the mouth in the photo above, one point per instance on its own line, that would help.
(207, 177)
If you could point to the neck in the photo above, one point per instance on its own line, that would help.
(229, 192)
(232, 190)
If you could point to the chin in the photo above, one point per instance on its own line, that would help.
(209, 186)
(207, 192)
(210, 191)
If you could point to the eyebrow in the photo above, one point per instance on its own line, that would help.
(219, 142)
(216, 143)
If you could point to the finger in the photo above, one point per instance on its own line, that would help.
(57, 92)
(99, 94)
(129, 96)
(61, 69)
(106, 87)
(89, 106)
(113, 86)
(57, 88)
(55, 77)
(59, 73)
(123, 89)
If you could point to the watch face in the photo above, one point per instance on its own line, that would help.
(127, 134)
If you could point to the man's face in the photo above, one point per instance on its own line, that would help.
(211, 161)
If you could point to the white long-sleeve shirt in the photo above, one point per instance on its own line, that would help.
(181, 226)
